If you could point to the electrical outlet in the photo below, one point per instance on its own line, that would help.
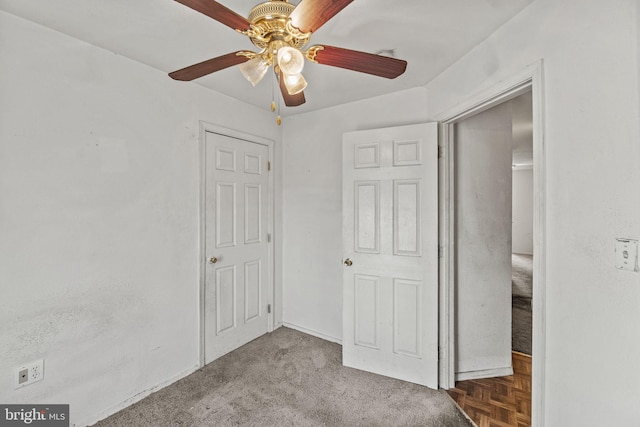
(29, 373)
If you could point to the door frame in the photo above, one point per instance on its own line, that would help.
(231, 133)
(531, 78)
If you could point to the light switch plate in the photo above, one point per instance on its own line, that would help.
(627, 254)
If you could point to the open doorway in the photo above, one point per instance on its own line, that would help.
(530, 79)
(522, 225)
(493, 241)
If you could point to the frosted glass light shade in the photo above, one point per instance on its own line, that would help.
(254, 70)
(290, 60)
(294, 83)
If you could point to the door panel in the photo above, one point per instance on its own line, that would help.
(225, 298)
(225, 214)
(406, 317)
(366, 310)
(236, 245)
(390, 233)
(252, 213)
(366, 216)
(406, 218)
(252, 287)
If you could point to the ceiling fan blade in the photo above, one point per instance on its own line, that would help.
(209, 66)
(218, 12)
(290, 100)
(309, 15)
(382, 66)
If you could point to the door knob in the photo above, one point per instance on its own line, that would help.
(348, 262)
(213, 260)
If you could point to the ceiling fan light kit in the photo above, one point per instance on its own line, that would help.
(290, 60)
(280, 30)
(254, 70)
(295, 83)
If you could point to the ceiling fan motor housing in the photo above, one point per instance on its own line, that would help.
(270, 22)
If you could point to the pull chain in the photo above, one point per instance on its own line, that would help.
(275, 107)
(279, 120)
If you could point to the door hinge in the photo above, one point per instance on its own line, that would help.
(269, 308)
(440, 152)
(268, 165)
(268, 237)
(440, 251)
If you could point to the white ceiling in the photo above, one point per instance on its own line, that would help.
(429, 34)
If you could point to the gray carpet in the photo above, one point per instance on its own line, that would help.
(522, 293)
(522, 275)
(288, 378)
(521, 325)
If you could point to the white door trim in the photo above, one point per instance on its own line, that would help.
(210, 127)
(531, 78)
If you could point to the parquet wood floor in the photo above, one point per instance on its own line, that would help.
(498, 402)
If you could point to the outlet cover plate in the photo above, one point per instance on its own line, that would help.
(29, 373)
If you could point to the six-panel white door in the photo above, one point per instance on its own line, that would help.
(390, 241)
(236, 246)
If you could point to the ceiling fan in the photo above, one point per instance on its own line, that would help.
(281, 30)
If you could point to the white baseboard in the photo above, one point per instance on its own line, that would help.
(130, 401)
(485, 373)
(312, 333)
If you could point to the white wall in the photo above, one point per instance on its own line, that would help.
(522, 218)
(312, 191)
(592, 139)
(483, 244)
(99, 205)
